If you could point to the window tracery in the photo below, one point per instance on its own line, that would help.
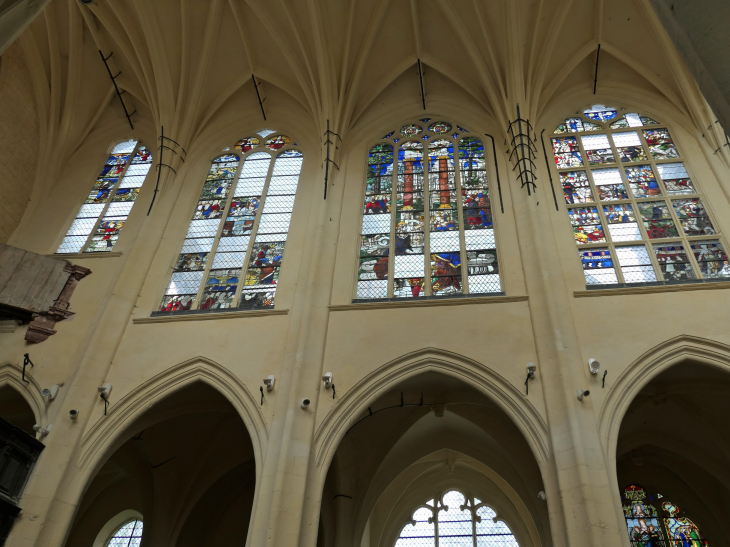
(128, 535)
(442, 216)
(660, 527)
(104, 212)
(636, 213)
(239, 228)
(455, 519)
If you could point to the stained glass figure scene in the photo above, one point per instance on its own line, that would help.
(438, 238)
(655, 523)
(129, 535)
(455, 520)
(634, 209)
(234, 248)
(105, 211)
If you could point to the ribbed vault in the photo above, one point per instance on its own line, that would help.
(187, 65)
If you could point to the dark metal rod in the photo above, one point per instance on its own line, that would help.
(173, 141)
(595, 78)
(519, 129)
(496, 168)
(26, 362)
(547, 165)
(420, 77)
(603, 384)
(159, 171)
(116, 87)
(327, 161)
(261, 103)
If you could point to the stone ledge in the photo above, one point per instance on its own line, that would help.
(81, 256)
(653, 289)
(390, 304)
(232, 314)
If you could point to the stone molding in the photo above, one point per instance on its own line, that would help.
(232, 314)
(41, 327)
(10, 375)
(99, 441)
(644, 369)
(357, 399)
(390, 304)
(653, 289)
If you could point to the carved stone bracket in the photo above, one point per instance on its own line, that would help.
(41, 327)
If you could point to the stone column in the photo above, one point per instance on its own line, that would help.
(578, 485)
(278, 517)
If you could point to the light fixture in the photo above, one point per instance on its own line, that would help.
(594, 366)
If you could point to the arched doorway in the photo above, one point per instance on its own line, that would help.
(430, 433)
(186, 467)
(16, 410)
(673, 453)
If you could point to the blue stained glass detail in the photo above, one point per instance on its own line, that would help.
(389, 135)
(396, 140)
(425, 120)
(227, 157)
(461, 129)
(455, 135)
(425, 137)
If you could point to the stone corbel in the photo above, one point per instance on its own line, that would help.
(41, 327)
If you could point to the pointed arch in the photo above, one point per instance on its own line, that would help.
(101, 439)
(10, 375)
(645, 368)
(525, 416)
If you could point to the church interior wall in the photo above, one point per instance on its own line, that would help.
(361, 485)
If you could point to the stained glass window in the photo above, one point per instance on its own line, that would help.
(658, 523)
(455, 519)
(637, 215)
(234, 247)
(129, 535)
(427, 205)
(105, 211)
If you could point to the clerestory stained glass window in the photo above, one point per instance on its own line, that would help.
(234, 248)
(129, 535)
(103, 214)
(455, 519)
(652, 520)
(427, 212)
(637, 215)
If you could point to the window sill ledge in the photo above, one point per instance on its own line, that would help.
(427, 303)
(653, 288)
(81, 256)
(205, 316)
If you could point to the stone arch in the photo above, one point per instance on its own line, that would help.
(470, 479)
(99, 442)
(10, 375)
(474, 374)
(645, 368)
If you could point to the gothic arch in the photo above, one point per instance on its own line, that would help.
(100, 441)
(10, 375)
(645, 368)
(525, 416)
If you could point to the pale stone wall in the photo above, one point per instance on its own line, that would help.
(188, 385)
(18, 139)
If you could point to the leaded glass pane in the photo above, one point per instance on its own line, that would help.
(218, 244)
(111, 199)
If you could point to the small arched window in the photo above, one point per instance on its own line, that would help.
(127, 535)
(254, 193)
(637, 214)
(442, 218)
(652, 520)
(103, 214)
(455, 519)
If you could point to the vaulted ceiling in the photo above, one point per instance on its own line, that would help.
(188, 64)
